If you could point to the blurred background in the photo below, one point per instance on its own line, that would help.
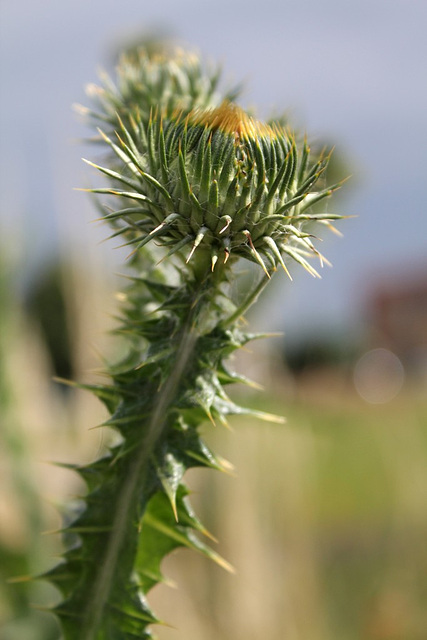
(326, 520)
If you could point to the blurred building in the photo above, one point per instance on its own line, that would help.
(398, 315)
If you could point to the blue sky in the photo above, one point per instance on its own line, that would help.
(353, 73)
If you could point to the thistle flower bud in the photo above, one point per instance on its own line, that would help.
(174, 79)
(218, 180)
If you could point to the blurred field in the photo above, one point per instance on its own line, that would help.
(325, 519)
(326, 524)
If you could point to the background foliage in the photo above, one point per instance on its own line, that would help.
(325, 520)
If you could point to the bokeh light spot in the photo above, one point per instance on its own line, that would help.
(378, 376)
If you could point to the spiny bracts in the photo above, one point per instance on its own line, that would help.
(217, 180)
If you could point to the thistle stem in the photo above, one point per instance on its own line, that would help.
(137, 476)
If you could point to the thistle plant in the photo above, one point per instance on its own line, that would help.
(194, 185)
